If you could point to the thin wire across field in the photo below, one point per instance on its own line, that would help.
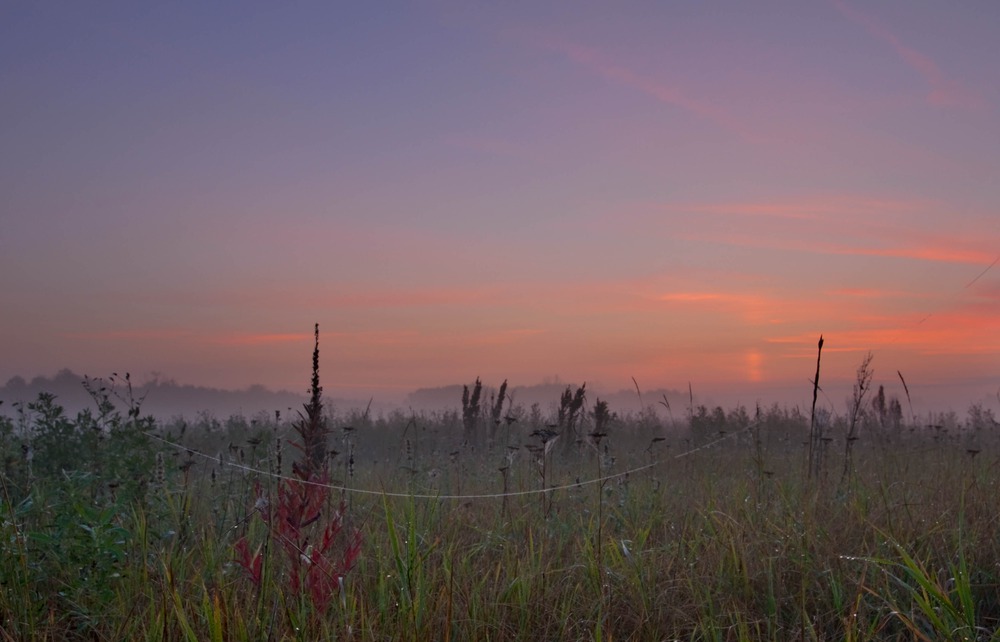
(384, 493)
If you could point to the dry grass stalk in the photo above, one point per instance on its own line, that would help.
(861, 386)
(815, 434)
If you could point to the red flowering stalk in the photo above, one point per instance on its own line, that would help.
(251, 563)
(300, 521)
(314, 562)
(311, 429)
(326, 571)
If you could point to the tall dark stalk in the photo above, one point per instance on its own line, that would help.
(814, 436)
(311, 427)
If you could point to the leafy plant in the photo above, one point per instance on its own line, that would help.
(300, 520)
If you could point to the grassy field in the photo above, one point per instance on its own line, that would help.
(483, 525)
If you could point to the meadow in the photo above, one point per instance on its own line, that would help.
(499, 522)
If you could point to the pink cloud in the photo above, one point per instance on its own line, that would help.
(154, 334)
(871, 293)
(945, 251)
(815, 208)
(944, 91)
(157, 335)
(322, 295)
(375, 297)
(256, 339)
(700, 297)
(799, 211)
(754, 308)
(940, 253)
(752, 305)
(837, 225)
(599, 64)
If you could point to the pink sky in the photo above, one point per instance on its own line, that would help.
(676, 193)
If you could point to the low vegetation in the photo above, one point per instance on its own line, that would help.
(498, 522)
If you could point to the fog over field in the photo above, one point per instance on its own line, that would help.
(167, 399)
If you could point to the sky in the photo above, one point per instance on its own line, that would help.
(675, 192)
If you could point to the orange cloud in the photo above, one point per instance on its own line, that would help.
(758, 310)
(753, 306)
(948, 333)
(944, 92)
(871, 293)
(754, 364)
(699, 297)
(942, 254)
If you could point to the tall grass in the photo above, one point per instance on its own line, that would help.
(732, 541)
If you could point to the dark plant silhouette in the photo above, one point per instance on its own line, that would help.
(570, 407)
(471, 410)
(815, 429)
(300, 521)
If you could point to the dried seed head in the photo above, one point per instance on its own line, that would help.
(277, 456)
(161, 470)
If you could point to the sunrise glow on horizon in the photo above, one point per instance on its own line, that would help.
(679, 193)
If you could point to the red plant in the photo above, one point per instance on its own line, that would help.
(297, 521)
(251, 563)
(314, 562)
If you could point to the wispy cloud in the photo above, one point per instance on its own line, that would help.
(820, 207)
(944, 91)
(838, 225)
(258, 339)
(755, 308)
(375, 297)
(868, 293)
(599, 63)
(151, 334)
(200, 337)
(942, 253)
(949, 332)
(715, 298)
(701, 297)
(506, 337)
(323, 295)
